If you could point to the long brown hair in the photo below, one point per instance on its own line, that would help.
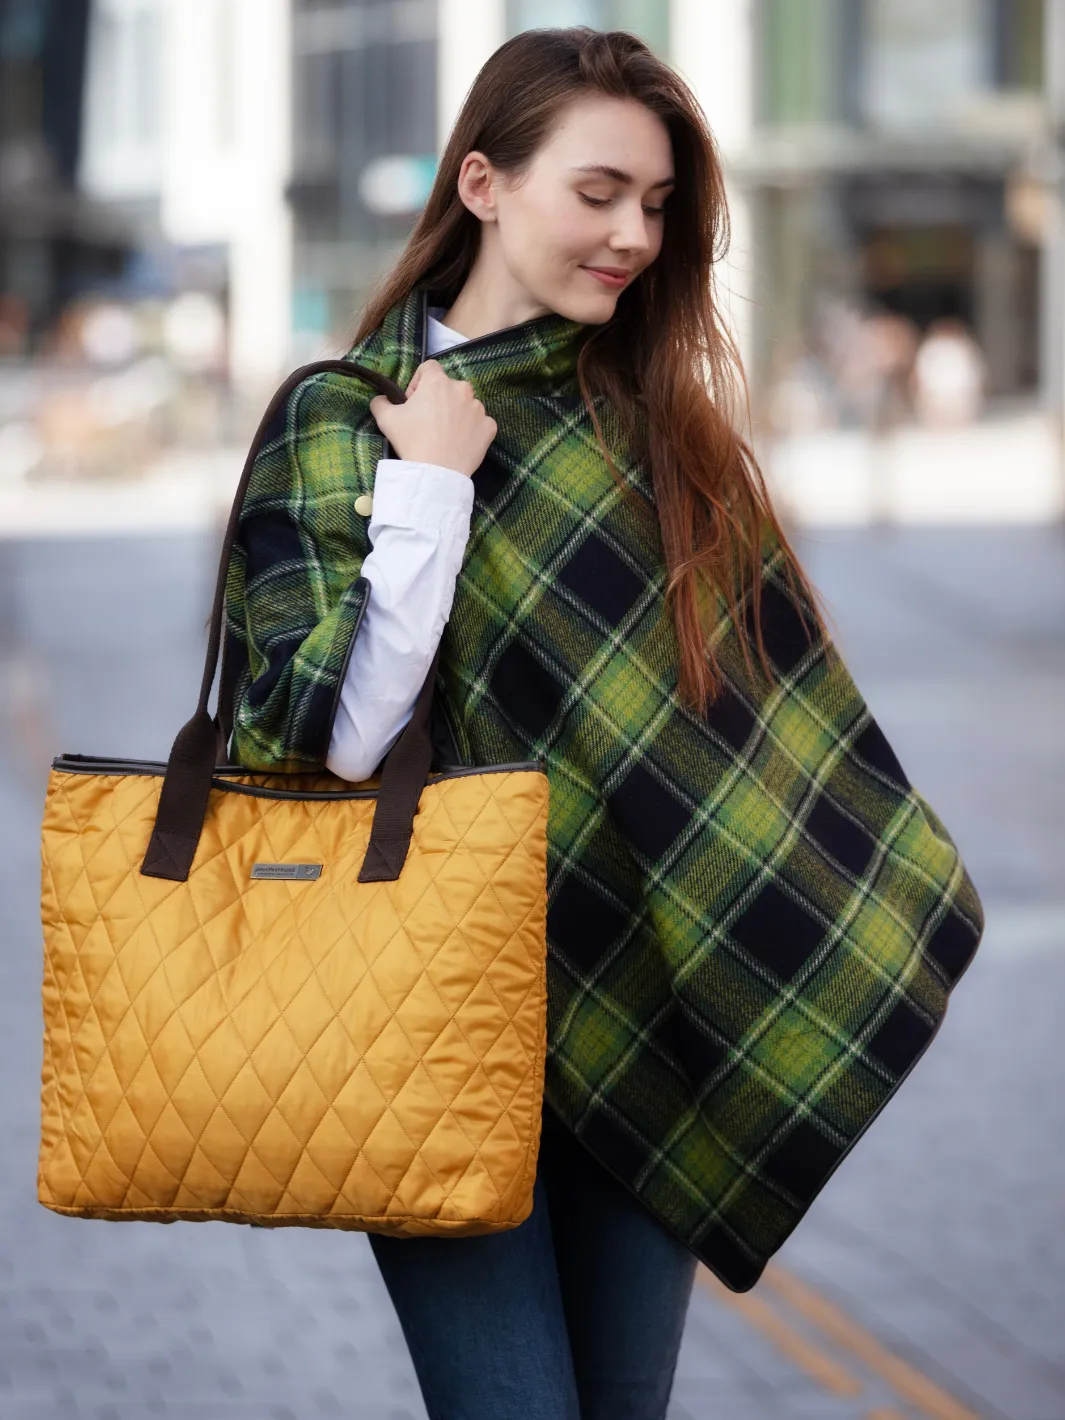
(664, 361)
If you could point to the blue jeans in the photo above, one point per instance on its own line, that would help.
(576, 1314)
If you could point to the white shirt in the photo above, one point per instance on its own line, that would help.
(419, 527)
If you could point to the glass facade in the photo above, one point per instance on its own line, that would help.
(647, 18)
(53, 242)
(892, 64)
(364, 89)
(807, 51)
(894, 128)
(921, 61)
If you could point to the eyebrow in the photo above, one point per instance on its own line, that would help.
(618, 174)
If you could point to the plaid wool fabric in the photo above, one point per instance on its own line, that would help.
(754, 920)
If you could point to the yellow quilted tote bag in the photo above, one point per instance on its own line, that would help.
(290, 999)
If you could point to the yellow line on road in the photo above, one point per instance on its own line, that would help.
(785, 1338)
(907, 1382)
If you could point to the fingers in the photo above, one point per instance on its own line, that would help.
(432, 369)
(415, 380)
(380, 407)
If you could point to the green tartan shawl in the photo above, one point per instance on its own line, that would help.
(754, 920)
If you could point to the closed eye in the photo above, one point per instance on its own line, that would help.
(602, 202)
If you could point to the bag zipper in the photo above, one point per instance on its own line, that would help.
(91, 764)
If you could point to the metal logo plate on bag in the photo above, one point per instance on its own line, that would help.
(286, 870)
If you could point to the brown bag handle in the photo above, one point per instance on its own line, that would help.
(202, 739)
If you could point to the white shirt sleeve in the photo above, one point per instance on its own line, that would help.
(419, 527)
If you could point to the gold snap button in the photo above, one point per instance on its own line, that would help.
(364, 504)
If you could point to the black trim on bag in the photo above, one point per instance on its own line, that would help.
(89, 764)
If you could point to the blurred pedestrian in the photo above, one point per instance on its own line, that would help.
(797, 400)
(742, 886)
(949, 381)
(893, 341)
(14, 324)
(870, 355)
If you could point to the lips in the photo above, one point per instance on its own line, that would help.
(614, 279)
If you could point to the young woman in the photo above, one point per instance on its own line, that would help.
(754, 920)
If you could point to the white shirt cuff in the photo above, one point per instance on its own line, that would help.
(410, 494)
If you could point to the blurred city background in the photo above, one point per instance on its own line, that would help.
(195, 197)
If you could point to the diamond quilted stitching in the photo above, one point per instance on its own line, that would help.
(345, 1026)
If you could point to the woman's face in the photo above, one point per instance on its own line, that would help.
(592, 198)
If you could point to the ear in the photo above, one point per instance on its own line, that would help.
(476, 186)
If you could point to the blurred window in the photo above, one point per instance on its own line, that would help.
(224, 70)
(22, 30)
(142, 71)
(364, 89)
(922, 60)
(123, 119)
(105, 63)
(647, 18)
(804, 46)
(894, 64)
(1019, 29)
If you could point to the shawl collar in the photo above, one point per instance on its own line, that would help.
(534, 357)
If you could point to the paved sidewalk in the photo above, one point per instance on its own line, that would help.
(928, 1279)
(916, 475)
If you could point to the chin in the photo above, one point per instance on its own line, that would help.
(590, 308)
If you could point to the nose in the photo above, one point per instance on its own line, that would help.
(630, 231)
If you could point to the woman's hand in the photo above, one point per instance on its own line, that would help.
(442, 421)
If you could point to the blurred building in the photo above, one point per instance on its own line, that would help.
(895, 162)
(883, 156)
(53, 241)
(186, 134)
(363, 151)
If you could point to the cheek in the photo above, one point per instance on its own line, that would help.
(534, 232)
(568, 229)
